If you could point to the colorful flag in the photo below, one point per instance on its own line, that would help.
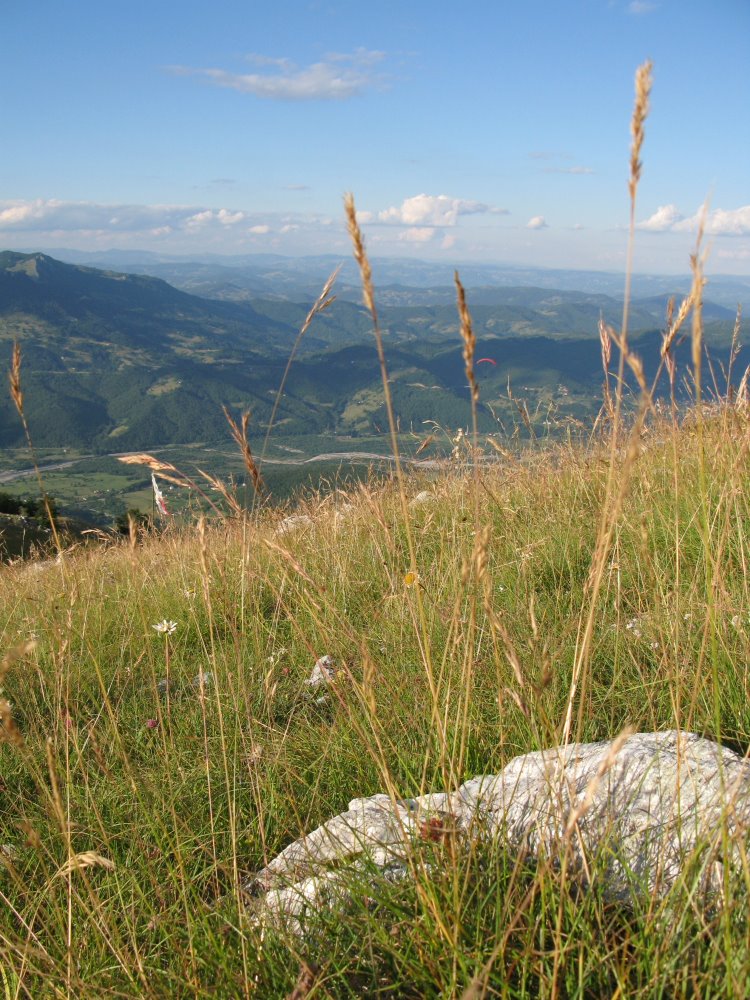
(159, 497)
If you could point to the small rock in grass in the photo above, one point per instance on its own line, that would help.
(422, 498)
(8, 852)
(293, 523)
(323, 673)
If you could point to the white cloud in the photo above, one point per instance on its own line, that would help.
(60, 217)
(641, 7)
(417, 234)
(568, 170)
(663, 218)
(43, 215)
(15, 214)
(448, 242)
(364, 217)
(719, 222)
(199, 219)
(227, 218)
(337, 77)
(434, 210)
(260, 60)
(537, 222)
(179, 229)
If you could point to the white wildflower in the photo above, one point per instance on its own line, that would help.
(633, 626)
(165, 627)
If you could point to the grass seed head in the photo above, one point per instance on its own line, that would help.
(643, 84)
(360, 254)
(14, 377)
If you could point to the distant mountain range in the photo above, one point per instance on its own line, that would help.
(225, 276)
(116, 361)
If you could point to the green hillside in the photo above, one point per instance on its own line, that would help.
(113, 362)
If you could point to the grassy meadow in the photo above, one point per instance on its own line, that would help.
(559, 592)
(171, 799)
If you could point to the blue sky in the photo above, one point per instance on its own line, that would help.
(494, 131)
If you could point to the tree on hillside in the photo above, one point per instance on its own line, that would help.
(9, 504)
(37, 507)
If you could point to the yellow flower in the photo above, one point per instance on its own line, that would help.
(410, 579)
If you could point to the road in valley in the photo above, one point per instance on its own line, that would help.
(11, 475)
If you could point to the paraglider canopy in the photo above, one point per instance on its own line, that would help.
(490, 360)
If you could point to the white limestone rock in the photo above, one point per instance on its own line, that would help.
(323, 673)
(636, 811)
(295, 522)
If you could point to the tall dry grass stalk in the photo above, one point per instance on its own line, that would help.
(697, 267)
(742, 398)
(667, 359)
(241, 439)
(16, 394)
(171, 474)
(323, 302)
(469, 347)
(618, 473)
(470, 343)
(368, 295)
(736, 346)
(14, 378)
(9, 731)
(605, 342)
(710, 562)
(675, 323)
(643, 85)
